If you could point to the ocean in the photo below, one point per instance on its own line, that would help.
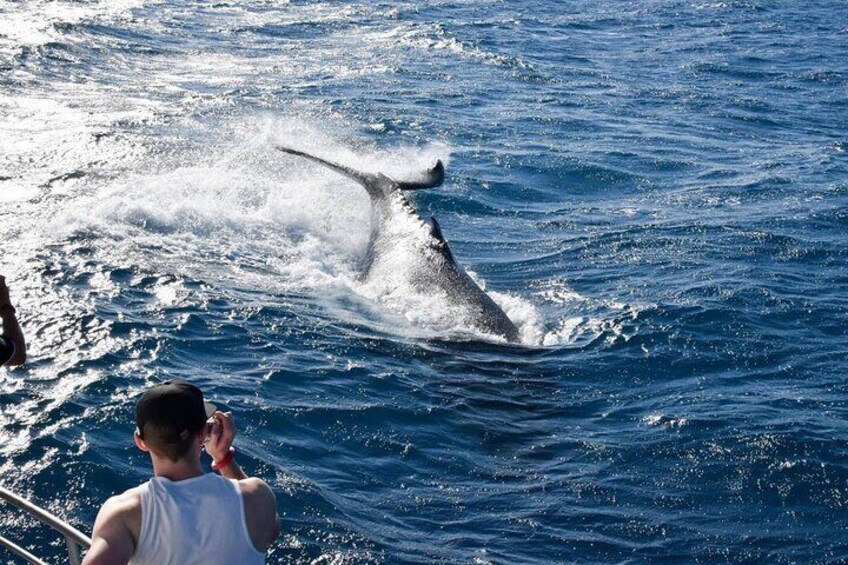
(655, 192)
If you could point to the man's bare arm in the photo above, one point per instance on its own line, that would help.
(112, 542)
(260, 512)
(219, 445)
(260, 504)
(233, 471)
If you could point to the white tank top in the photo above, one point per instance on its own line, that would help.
(198, 520)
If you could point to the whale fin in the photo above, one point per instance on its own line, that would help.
(441, 245)
(431, 178)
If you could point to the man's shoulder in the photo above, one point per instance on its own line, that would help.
(253, 482)
(127, 503)
(258, 496)
(255, 487)
(129, 496)
(116, 529)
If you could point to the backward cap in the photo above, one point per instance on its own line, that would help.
(175, 407)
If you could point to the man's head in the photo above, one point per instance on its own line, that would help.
(170, 417)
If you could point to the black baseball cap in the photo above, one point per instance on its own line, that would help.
(176, 408)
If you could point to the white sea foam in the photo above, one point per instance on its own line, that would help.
(34, 22)
(261, 219)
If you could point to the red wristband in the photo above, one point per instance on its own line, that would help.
(228, 458)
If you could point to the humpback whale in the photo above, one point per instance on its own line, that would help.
(433, 269)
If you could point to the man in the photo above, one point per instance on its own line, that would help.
(183, 516)
(12, 346)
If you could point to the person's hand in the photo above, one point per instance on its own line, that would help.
(4, 292)
(222, 436)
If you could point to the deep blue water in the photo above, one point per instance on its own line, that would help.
(656, 192)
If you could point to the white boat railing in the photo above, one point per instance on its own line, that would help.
(75, 539)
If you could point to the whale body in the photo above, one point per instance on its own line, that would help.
(433, 268)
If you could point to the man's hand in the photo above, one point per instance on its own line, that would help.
(221, 441)
(222, 436)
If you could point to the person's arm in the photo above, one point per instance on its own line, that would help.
(111, 541)
(220, 445)
(260, 512)
(260, 504)
(11, 329)
(233, 470)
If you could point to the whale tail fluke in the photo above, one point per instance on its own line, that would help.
(430, 178)
(346, 171)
